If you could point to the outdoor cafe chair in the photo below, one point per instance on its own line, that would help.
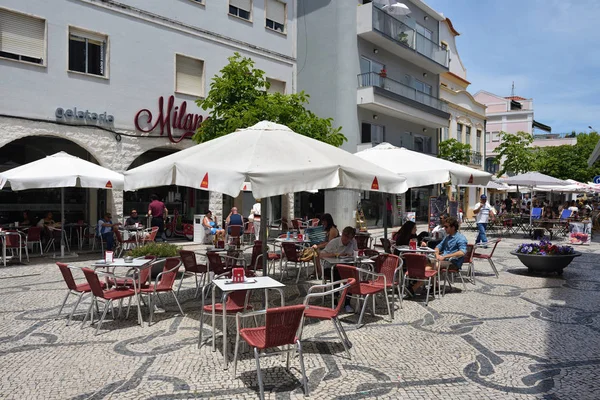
(364, 289)
(363, 241)
(73, 288)
(149, 235)
(328, 313)
(188, 258)
(489, 256)
(142, 281)
(280, 330)
(292, 253)
(17, 242)
(256, 258)
(163, 284)
(389, 268)
(248, 235)
(416, 271)
(235, 234)
(34, 236)
(105, 295)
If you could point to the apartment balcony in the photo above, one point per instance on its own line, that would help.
(476, 158)
(390, 97)
(391, 34)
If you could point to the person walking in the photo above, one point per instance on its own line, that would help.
(482, 212)
(255, 213)
(157, 211)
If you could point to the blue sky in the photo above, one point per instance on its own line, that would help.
(549, 48)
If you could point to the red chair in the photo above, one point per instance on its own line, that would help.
(149, 234)
(416, 271)
(34, 235)
(248, 232)
(291, 253)
(192, 267)
(143, 281)
(297, 224)
(163, 284)
(16, 241)
(489, 256)
(107, 296)
(235, 234)
(327, 313)
(256, 260)
(389, 269)
(131, 242)
(364, 288)
(362, 241)
(281, 326)
(73, 288)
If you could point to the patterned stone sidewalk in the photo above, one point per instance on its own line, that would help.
(516, 337)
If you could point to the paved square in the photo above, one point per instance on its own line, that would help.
(516, 337)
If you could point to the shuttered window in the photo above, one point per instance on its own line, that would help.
(189, 75)
(87, 52)
(241, 8)
(22, 37)
(276, 86)
(276, 15)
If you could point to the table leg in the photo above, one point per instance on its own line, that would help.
(213, 317)
(4, 250)
(331, 273)
(138, 299)
(224, 332)
(266, 298)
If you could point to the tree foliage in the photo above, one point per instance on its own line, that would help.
(514, 154)
(455, 151)
(238, 98)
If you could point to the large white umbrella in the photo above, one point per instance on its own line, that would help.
(421, 169)
(272, 158)
(572, 187)
(61, 170)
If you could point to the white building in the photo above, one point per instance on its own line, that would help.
(115, 82)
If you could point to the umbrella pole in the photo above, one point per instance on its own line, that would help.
(62, 224)
(385, 227)
(264, 209)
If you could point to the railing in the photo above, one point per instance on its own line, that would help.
(374, 79)
(476, 158)
(404, 34)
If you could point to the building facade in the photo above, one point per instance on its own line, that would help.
(378, 76)
(115, 82)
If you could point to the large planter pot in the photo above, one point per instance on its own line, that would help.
(539, 263)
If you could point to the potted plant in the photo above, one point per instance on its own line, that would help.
(403, 38)
(162, 251)
(545, 256)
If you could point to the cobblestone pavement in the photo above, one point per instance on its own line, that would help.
(516, 337)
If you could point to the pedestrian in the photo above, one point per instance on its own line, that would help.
(157, 211)
(255, 214)
(508, 203)
(482, 212)
(388, 206)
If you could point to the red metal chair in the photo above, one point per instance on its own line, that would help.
(315, 222)
(291, 253)
(489, 256)
(281, 327)
(73, 288)
(415, 271)
(389, 270)
(248, 232)
(163, 284)
(122, 243)
(235, 234)
(192, 267)
(364, 288)
(16, 241)
(143, 280)
(107, 296)
(34, 235)
(362, 241)
(327, 313)
(149, 234)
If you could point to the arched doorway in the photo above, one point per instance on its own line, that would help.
(39, 201)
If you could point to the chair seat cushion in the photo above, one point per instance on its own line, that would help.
(229, 308)
(319, 312)
(483, 256)
(115, 294)
(256, 337)
(85, 287)
(274, 256)
(364, 289)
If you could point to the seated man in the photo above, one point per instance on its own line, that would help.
(133, 219)
(105, 229)
(234, 218)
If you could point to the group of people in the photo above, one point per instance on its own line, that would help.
(234, 218)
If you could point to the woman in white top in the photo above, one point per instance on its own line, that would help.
(256, 218)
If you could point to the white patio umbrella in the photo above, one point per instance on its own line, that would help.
(572, 187)
(61, 170)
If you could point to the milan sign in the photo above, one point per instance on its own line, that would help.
(169, 119)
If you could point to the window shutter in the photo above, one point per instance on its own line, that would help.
(245, 5)
(276, 86)
(276, 11)
(98, 37)
(188, 77)
(22, 34)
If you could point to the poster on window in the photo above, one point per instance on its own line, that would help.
(580, 233)
(411, 216)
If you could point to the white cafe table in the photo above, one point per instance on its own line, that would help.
(406, 249)
(227, 287)
(137, 264)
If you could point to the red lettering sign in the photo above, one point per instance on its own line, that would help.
(174, 117)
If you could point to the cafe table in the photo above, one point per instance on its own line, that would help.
(137, 264)
(421, 249)
(227, 287)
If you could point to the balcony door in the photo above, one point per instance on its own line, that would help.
(370, 70)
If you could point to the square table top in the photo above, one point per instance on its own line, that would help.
(120, 262)
(348, 260)
(257, 282)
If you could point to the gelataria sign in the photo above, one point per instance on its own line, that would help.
(172, 120)
(87, 117)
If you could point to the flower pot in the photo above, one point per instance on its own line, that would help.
(546, 263)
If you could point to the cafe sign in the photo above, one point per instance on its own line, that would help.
(81, 117)
(170, 119)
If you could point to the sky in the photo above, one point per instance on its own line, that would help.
(549, 48)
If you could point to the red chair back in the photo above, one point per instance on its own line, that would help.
(94, 282)
(189, 262)
(469, 255)
(215, 262)
(249, 228)
(145, 273)
(168, 278)
(256, 251)
(281, 325)
(152, 236)
(351, 273)
(34, 234)
(494, 248)
(415, 265)
(235, 230)
(388, 266)
(387, 245)
(67, 275)
(289, 249)
(351, 282)
(362, 241)
(13, 240)
(297, 224)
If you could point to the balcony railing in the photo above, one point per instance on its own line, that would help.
(407, 36)
(476, 158)
(374, 79)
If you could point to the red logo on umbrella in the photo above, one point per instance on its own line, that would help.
(204, 184)
(109, 184)
(470, 179)
(244, 187)
(375, 184)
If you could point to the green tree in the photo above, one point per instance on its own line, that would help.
(455, 151)
(238, 98)
(514, 154)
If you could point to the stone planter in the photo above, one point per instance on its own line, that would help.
(538, 263)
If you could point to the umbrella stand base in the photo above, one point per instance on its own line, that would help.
(65, 257)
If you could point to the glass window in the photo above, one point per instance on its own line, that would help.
(189, 75)
(459, 129)
(371, 133)
(487, 137)
(240, 8)
(495, 136)
(87, 52)
(421, 86)
(467, 135)
(478, 142)
(22, 37)
(424, 31)
(276, 11)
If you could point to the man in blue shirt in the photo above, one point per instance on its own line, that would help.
(454, 246)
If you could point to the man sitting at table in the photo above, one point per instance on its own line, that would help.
(105, 227)
(133, 219)
(450, 252)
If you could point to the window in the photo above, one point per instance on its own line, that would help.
(22, 37)
(371, 133)
(495, 136)
(87, 52)
(478, 142)
(467, 135)
(487, 137)
(422, 144)
(444, 45)
(189, 75)
(459, 128)
(421, 86)
(241, 8)
(424, 31)
(276, 15)
(370, 72)
(445, 134)
(277, 86)
(491, 165)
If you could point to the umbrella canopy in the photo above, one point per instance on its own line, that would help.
(534, 179)
(396, 9)
(422, 169)
(572, 187)
(273, 158)
(58, 171)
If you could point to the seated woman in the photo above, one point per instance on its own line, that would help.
(47, 221)
(407, 231)
(211, 227)
(26, 220)
(331, 232)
